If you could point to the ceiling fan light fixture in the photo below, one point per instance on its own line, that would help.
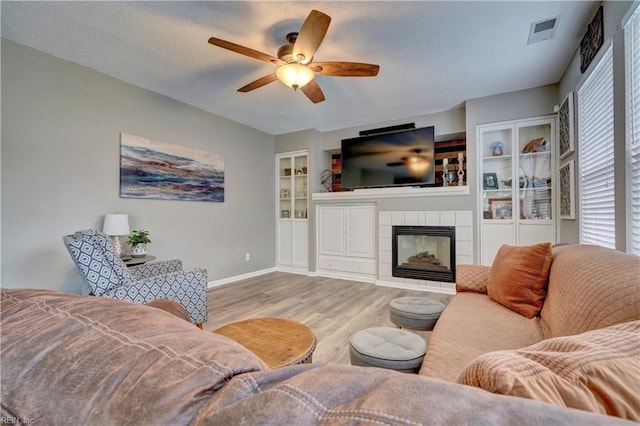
(294, 75)
(296, 68)
(418, 165)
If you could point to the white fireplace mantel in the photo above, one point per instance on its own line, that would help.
(461, 220)
(402, 192)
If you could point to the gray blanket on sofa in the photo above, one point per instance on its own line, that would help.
(68, 359)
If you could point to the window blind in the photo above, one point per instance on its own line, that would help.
(632, 96)
(596, 155)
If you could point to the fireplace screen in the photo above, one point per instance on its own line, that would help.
(424, 252)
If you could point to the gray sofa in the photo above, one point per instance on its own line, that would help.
(70, 359)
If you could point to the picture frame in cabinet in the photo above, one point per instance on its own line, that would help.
(567, 191)
(501, 208)
(489, 181)
(566, 127)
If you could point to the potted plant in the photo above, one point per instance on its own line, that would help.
(138, 241)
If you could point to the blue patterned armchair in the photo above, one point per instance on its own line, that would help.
(106, 275)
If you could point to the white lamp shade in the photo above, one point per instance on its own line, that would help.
(294, 75)
(116, 224)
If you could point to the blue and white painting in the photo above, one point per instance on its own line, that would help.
(159, 170)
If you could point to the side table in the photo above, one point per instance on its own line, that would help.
(278, 342)
(138, 260)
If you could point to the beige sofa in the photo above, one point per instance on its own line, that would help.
(591, 291)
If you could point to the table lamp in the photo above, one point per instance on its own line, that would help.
(115, 225)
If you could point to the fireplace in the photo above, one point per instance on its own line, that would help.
(424, 253)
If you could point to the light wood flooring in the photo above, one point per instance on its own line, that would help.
(333, 309)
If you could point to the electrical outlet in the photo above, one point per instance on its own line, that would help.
(247, 257)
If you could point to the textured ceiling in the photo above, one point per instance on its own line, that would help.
(432, 55)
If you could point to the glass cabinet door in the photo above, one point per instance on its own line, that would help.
(496, 144)
(516, 164)
(292, 187)
(285, 187)
(300, 187)
(534, 168)
(292, 235)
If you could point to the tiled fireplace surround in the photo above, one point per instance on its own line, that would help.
(463, 222)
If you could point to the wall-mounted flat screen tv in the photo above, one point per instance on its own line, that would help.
(389, 159)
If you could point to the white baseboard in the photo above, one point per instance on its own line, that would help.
(293, 270)
(368, 279)
(330, 274)
(418, 287)
(229, 280)
(345, 276)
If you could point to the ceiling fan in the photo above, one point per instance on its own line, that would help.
(296, 68)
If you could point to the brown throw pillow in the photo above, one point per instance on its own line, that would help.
(519, 276)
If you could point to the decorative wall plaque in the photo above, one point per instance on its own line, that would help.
(566, 126)
(567, 191)
(592, 40)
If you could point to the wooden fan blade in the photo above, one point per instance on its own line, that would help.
(244, 50)
(258, 83)
(313, 92)
(310, 36)
(345, 69)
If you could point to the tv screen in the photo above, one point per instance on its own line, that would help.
(390, 159)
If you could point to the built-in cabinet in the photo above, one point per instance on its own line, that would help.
(346, 241)
(292, 211)
(516, 162)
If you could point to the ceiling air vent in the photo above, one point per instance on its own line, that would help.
(543, 30)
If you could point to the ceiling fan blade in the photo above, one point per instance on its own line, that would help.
(313, 92)
(310, 36)
(345, 69)
(258, 83)
(243, 50)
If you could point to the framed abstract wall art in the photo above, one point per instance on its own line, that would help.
(158, 170)
(567, 191)
(566, 128)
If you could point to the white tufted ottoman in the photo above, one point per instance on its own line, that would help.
(387, 347)
(416, 313)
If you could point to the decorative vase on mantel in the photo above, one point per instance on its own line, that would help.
(497, 148)
(139, 250)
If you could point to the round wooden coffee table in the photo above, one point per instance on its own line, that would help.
(276, 341)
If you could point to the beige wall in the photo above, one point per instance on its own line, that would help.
(60, 158)
(60, 173)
